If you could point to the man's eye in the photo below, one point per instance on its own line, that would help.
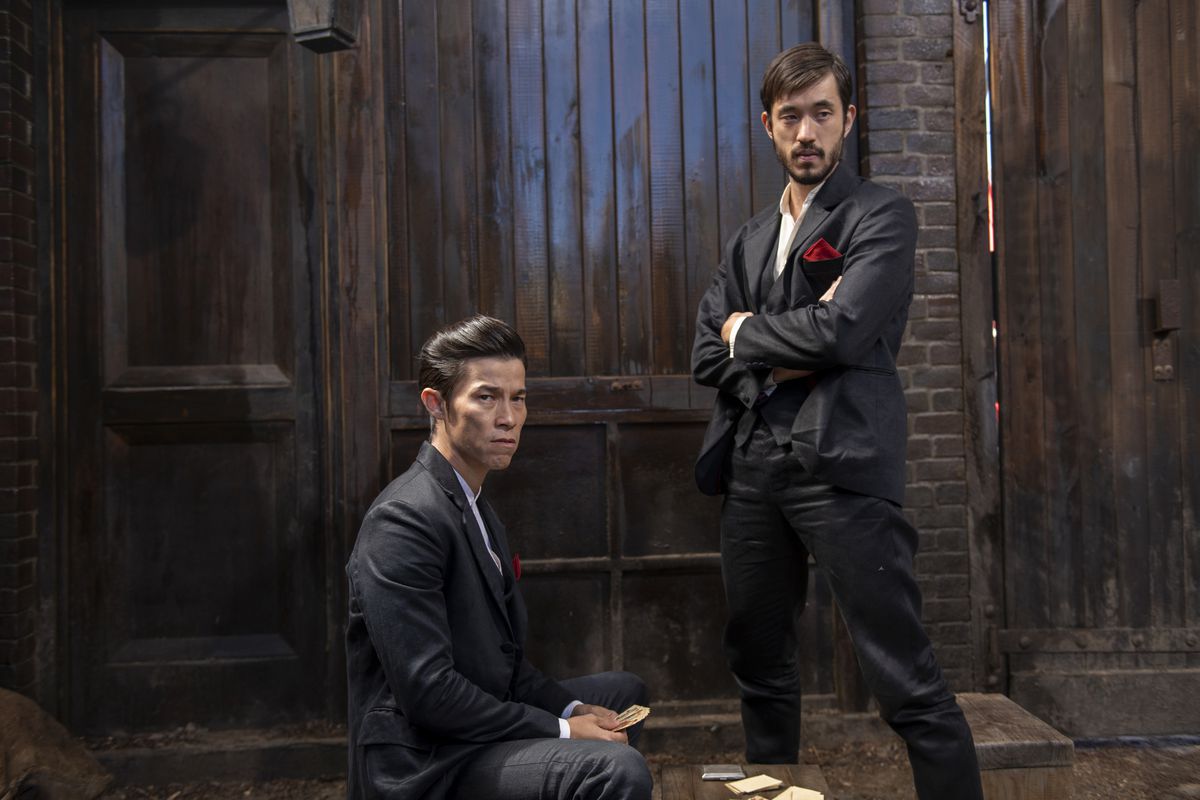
(485, 397)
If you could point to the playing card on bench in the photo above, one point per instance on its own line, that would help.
(757, 783)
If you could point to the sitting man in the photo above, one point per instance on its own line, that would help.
(442, 702)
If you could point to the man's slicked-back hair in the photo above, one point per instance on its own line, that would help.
(800, 67)
(444, 354)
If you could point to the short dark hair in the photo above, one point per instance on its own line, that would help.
(798, 68)
(446, 352)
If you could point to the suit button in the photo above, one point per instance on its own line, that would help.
(507, 648)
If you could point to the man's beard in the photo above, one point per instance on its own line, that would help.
(810, 178)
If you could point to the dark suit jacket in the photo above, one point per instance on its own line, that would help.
(435, 642)
(850, 429)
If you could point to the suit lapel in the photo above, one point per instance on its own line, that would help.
(441, 470)
(836, 189)
(760, 246)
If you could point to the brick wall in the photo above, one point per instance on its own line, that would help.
(907, 87)
(18, 358)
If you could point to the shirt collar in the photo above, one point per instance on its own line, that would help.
(783, 199)
(472, 495)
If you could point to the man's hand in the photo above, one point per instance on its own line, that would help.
(727, 328)
(592, 726)
(605, 714)
(825, 298)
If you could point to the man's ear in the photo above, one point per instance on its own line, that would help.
(766, 121)
(434, 403)
(851, 113)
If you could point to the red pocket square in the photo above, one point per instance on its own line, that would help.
(821, 251)
(516, 566)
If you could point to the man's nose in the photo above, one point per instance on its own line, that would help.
(505, 414)
(805, 131)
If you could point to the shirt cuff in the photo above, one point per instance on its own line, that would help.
(564, 730)
(737, 323)
(570, 709)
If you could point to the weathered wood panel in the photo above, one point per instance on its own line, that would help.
(1096, 165)
(614, 147)
(195, 568)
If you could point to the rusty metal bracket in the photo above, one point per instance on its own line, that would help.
(1163, 357)
(969, 9)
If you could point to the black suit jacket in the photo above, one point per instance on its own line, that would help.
(435, 641)
(851, 429)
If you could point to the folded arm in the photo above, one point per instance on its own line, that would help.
(876, 284)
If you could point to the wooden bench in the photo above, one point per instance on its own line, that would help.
(1020, 757)
(682, 781)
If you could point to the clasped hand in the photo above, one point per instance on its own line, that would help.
(595, 722)
(778, 374)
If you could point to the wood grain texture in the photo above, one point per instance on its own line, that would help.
(1020, 311)
(1009, 737)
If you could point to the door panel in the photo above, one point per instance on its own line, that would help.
(1097, 164)
(196, 570)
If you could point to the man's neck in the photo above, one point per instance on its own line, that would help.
(799, 192)
(473, 477)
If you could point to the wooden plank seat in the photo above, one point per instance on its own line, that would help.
(1020, 756)
(682, 781)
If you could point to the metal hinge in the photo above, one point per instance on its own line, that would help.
(969, 9)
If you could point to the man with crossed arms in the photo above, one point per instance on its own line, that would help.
(799, 333)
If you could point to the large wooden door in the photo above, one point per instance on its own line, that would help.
(575, 168)
(1098, 192)
(196, 583)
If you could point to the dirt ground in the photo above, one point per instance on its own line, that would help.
(868, 771)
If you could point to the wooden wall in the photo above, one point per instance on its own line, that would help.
(575, 168)
(1098, 193)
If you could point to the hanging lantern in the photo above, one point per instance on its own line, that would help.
(325, 26)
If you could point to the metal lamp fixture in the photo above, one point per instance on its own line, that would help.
(325, 26)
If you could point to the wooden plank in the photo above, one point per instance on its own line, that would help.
(1019, 325)
(456, 106)
(1056, 280)
(1155, 586)
(1093, 514)
(1185, 83)
(399, 346)
(493, 143)
(984, 528)
(671, 347)
(598, 190)
(423, 155)
(733, 129)
(795, 22)
(1039, 783)
(1122, 177)
(767, 178)
(634, 310)
(701, 219)
(1084, 703)
(567, 349)
(1007, 736)
(529, 181)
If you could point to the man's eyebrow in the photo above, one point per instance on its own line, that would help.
(489, 388)
(787, 107)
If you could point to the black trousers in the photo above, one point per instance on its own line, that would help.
(774, 515)
(565, 769)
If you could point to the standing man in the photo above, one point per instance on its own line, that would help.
(442, 702)
(799, 332)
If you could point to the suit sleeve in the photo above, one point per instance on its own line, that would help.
(877, 282)
(398, 580)
(711, 364)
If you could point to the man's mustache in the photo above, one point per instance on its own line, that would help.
(807, 151)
